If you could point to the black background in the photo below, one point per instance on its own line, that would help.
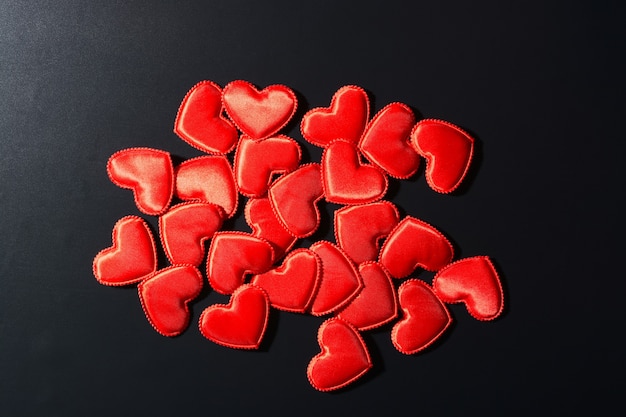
(541, 87)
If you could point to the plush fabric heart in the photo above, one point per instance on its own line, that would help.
(241, 323)
(294, 199)
(346, 179)
(475, 282)
(448, 151)
(425, 318)
(359, 229)
(386, 141)
(292, 285)
(208, 179)
(257, 161)
(341, 282)
(376, 304)
(132, 256)
(259, 114)
(344, 119)
(233, 255)
(200, 121)
(414, 243)
(149, 173)
(264, 224)
(185, 228)
(344, 357)
(165, 296)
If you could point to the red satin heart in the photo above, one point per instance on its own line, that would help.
(294, 199)
(259, 114)
(341, 282)
(412, 244)
(448, 151)
(475, 282)
(149, 173)
(165, 297)
(386, 141)
(264, 224)
(200, 121)
(344, 119)
(233, 255)
(132, 256)
(376, 304)
(425, 318)
(241, 323)
(346, 179)
(344, 357)
(256, 162)
(292, 285)
(208, 179)
(185, 228)
(359, 229)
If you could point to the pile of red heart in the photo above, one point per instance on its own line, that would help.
(356, 281)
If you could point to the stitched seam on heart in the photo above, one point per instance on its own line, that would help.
(185, 304)
(114, 246)
(287, 90)
(407, 141)
(220, 116)
(462, 301)
(333, 100)
(428, 161)
(135, 196)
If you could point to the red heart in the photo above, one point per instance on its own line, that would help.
(132, 256)
(164, 297)
(256, 162)
(386, 141)
(149, 173)
(346, 179)
(359, 242)
(264, 224)
(291, 286)
(185, 227)
(241, 323)
(344, 119)
(259, 114)
(294, 198)
(344, 357)
(200, 121)
(475, 282)
(341, 282)
(425, 318)
(448, 151)
(376, 304)
(208, 179)
(232, 255)
(412, 244)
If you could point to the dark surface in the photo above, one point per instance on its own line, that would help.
(541, 87)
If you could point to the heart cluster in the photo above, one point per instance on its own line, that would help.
(358, 282)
